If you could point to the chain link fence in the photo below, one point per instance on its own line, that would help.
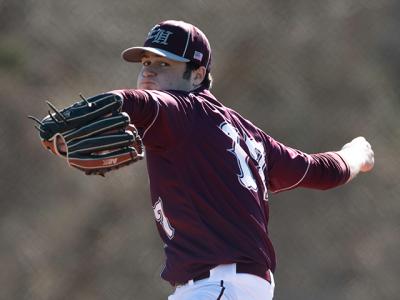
(312, 74)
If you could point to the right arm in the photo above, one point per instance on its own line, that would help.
(289, 168)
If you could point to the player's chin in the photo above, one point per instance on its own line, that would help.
(148, 85)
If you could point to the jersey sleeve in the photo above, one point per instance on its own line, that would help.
(290, 168)
(162, 118)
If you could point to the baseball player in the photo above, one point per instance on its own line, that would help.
(210, 170)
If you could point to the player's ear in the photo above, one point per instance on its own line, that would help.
(199, 75)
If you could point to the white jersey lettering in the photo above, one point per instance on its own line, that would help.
(162, 219)
(245, 176)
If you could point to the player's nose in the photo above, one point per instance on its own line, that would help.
(148, 72)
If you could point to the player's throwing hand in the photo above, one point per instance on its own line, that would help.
(359, 155)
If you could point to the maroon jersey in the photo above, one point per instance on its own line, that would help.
(210, 170)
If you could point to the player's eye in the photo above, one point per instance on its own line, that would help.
(146, 63)
(164, 64)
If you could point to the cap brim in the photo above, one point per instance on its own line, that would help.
(134, 54)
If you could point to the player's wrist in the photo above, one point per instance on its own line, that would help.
(352, 161)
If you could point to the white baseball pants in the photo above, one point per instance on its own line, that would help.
(225, 284)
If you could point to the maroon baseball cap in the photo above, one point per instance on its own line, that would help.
(175, 40)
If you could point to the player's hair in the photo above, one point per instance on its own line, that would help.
(207, 81)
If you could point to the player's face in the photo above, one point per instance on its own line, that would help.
(160, 73)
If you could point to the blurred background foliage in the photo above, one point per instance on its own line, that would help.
(312, 74)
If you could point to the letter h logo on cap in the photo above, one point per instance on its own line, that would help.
(175, 40)
(159, 36)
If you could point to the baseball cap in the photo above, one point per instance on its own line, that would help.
(175, 40)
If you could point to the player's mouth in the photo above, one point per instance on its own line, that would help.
(146, 84)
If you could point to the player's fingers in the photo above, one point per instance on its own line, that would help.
(369, 161)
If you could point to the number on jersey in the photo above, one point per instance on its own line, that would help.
(257, 152)
(162, 219)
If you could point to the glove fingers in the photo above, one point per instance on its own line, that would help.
(93, 134)
(116, 122)
(80, 114)
(101, 143)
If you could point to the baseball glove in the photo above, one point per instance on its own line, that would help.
(92, 134)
